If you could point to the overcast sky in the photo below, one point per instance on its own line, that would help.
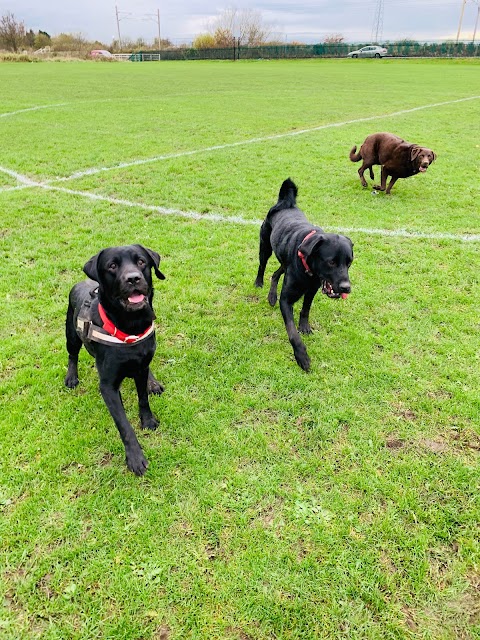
(300, 20)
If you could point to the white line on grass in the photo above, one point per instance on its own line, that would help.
(214, 217)
(8, 114)
(278, 136)
(26, 182)
(230, 145)
(193, 215)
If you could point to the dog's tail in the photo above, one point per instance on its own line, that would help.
(287, 197)
(355, 157)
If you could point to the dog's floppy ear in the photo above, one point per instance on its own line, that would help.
(310, 243)
(415, 152)
(434, 155)
(90, 267)
(155, 261)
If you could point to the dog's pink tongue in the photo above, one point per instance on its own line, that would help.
(344, 296)
(136, 298)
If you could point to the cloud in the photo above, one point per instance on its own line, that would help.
(307, 20)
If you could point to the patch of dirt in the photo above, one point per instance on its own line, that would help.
(73, 467)
(465, 439)
(163, 632)
(44, 585)
(394, 443)
(440, 394)
(435, 446)
(387, 563)
(106, 459)
(407, 414)
(409, 620)
(182, 528)
(212, 551)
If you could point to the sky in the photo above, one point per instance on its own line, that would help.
(297, 20)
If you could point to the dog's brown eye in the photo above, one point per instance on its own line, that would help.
(140, 262)
(332, 263)
(112, 266)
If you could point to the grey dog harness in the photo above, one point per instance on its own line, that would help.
(88, 331)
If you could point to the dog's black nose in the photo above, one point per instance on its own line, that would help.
(344, 287)
(133, 277)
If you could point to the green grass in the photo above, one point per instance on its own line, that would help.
(339, 504)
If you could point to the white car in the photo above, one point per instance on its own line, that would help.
(372, 51)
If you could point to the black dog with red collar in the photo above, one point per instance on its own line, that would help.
(112, 316)
(309, 258)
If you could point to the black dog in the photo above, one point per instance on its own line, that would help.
(308, 257)
(112, 315)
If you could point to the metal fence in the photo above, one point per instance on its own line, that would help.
(290, 51)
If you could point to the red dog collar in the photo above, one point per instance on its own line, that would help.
(302, 257)
(116, 333)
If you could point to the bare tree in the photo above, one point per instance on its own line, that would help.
(12, 32)
(334, 38)
(245, 24)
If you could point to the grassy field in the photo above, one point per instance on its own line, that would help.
(339, 504)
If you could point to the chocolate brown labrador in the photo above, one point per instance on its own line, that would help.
(398, 158)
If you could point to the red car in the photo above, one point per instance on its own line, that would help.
(100, 53)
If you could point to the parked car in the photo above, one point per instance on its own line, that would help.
(100, 53)
(372, 51)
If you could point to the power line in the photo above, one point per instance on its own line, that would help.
(128, 15)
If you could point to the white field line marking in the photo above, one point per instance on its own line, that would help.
(230, 145)
(26, 182)
(124, 165)
(9, 114)
(77, 103)
(214, 217)
(44, 106)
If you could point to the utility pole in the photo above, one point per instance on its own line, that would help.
(128, 15)
(377, 28)
(464, 2)
(118, 28)
(476, 23)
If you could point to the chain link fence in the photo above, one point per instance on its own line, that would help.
(324, 50)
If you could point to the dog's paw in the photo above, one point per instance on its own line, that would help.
(259, 282)
(378, 187)
(272, 298)
(71, 381)
(137, 462)
(304, 327)
(154, 387)
(303, 361)
(149, 422)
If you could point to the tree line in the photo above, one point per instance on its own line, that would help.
(232, 27)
